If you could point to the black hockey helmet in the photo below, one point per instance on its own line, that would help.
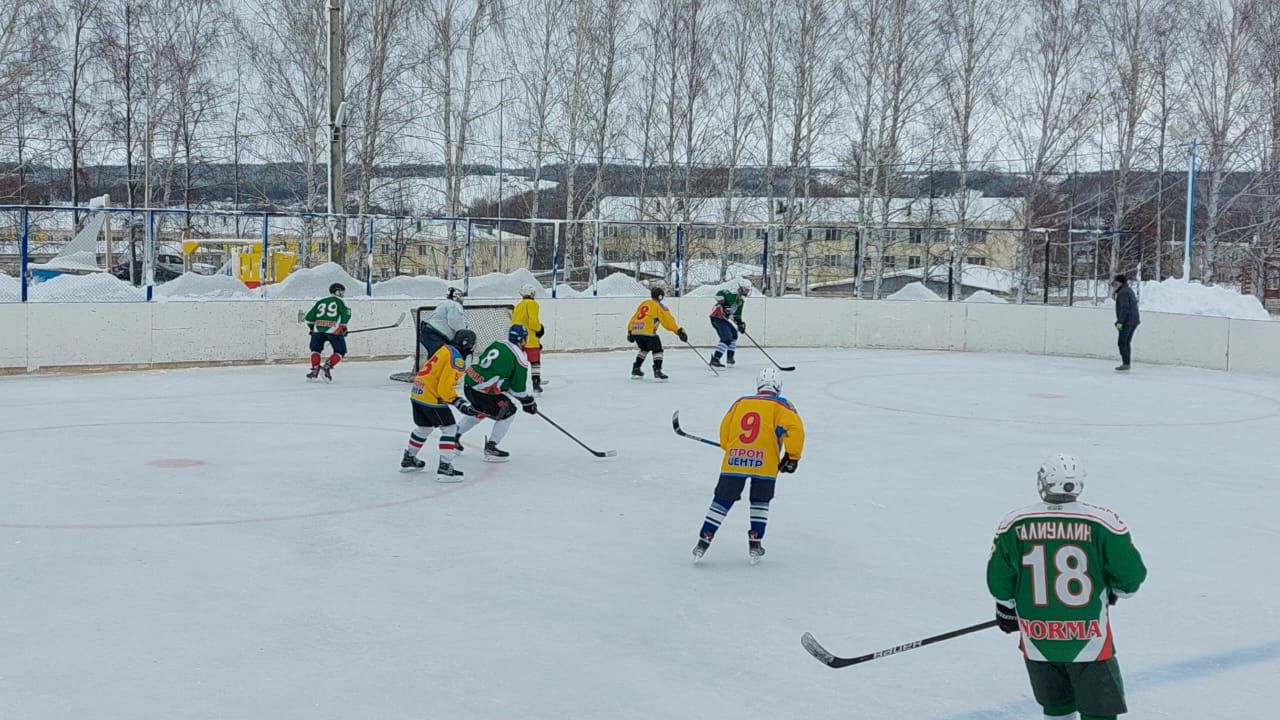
(658, 293)
(336, 288)
(464, 341)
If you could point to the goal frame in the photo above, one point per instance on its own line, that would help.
(422, 312)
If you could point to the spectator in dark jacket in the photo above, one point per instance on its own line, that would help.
(1126, 318)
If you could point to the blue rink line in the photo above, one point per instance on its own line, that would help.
(1176, 672)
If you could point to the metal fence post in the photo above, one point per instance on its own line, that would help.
(764, 264)
(555, 256)
(262, 262)
(368, 277)
(595, 264)
(23, 251)
(676, 275)
(466, 263)
(149, 256)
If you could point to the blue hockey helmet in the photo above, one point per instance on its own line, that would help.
(517, 334)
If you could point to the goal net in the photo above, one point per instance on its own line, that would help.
(488, 322)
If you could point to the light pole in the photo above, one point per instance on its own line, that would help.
(337, 118)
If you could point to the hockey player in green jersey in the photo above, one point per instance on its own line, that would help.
(498, 377)
(1055, 569)
(327, 321)
(726, 320)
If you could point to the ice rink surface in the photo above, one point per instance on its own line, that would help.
(239, 543)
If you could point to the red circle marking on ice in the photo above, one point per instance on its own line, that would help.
(176, 463)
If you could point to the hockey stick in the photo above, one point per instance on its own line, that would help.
(675, 425)
(701, 357)
(826, 658)
(396, 324)
(597, 453)
(302, 317)
(786, 368)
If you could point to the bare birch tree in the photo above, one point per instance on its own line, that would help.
(1048, 109)
(1224, 110)
(973, 34)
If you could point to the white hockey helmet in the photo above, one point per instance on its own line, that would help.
(769, 380)
(1061, 478)
(529, 290)
(744, 285)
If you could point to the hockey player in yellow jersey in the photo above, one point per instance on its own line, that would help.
(526, 314)
(433, 396)
(643, 331)
(762, 435)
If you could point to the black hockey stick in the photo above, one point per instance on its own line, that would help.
(302, 317)
(396, 324)
(597, 453)
(701, 357)
(783, 368)
(826, 658)
(675, 425)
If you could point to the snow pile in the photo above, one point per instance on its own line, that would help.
(710, 290)
(707, 272)
(982, 296)
(503, 285)
(411, 286)
(10, 288)
(914, 291)
(564, 290)
(1175, 296)
(193, 286)
(310, 283)
(619, 285)
(98, 287)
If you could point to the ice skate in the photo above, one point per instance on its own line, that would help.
(324, 370)
(659, 376)
(715, 363)
(636, 372)
(409, 463)
(700, 549)
(315, 373)
(755, 550)
(447, 473)
(493, 453)
(537, 386)
(729, 359)
(1122, 368)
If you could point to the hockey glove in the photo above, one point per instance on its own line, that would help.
(631, 338)
(742, 326)
(311, 328)
(529, 405)
(1119, 326)
(1006, 618)
(1111, 597)
(463, 407)
(684, 336)
(788, 464)
(541, 331)
(340, 330)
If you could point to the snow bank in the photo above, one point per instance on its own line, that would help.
(1175, 296)
(710, 290)
(311, 283)
(412, 286)
(564, 290)
(620, 285)
(503, 285)
(193, 286)
(982, 296)
(10, 288)
(97, 287)
(914, 291)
